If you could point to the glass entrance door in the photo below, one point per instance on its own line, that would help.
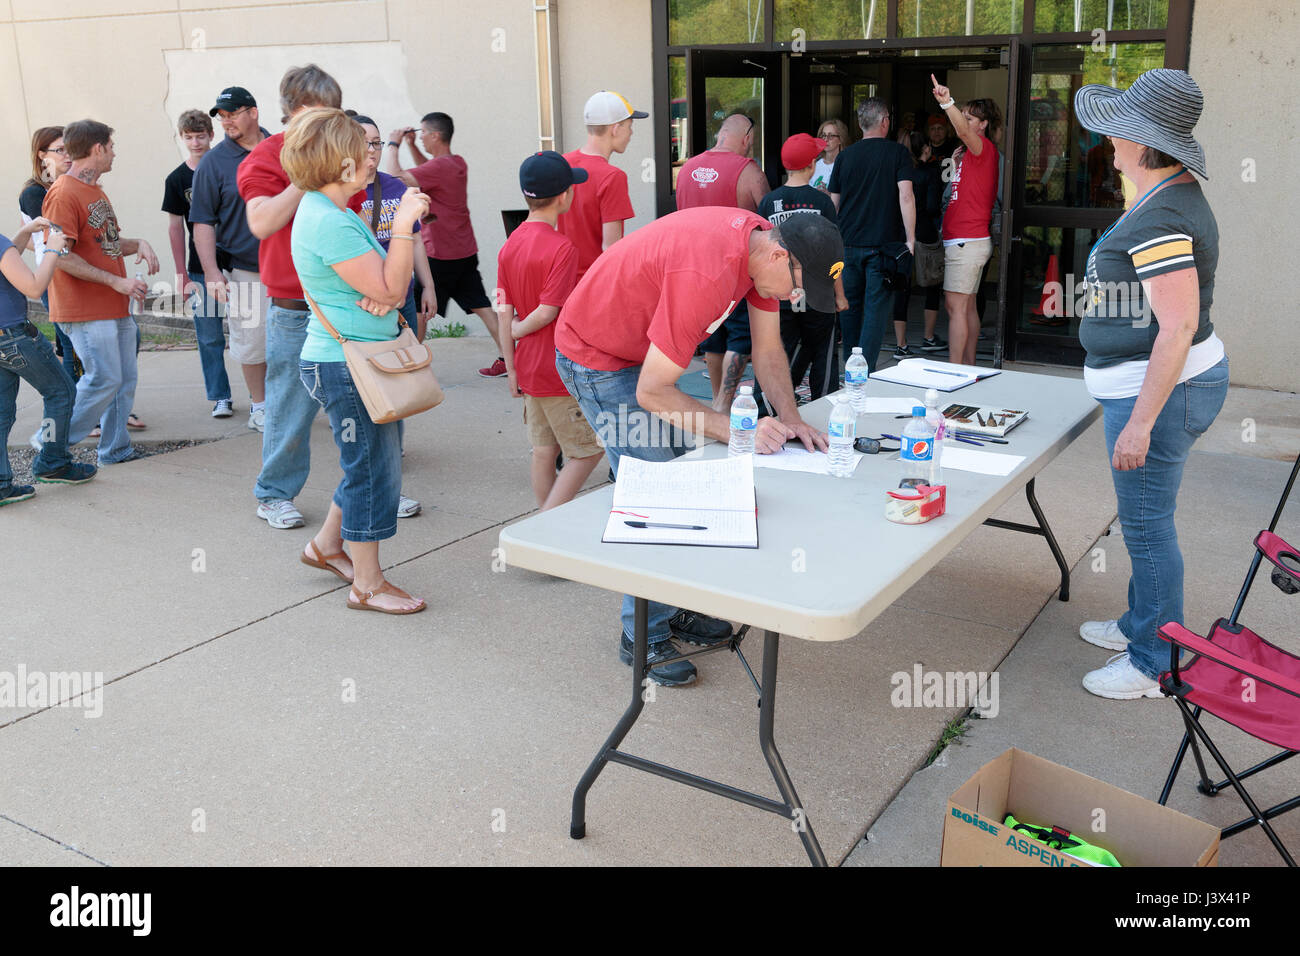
(719, 83)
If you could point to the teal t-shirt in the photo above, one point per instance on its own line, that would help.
(323, 236)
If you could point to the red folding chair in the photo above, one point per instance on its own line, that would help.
(1244, 680)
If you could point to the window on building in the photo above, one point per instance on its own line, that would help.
(953, 18)
(1084, 16)
(699, 22)
(829, 19)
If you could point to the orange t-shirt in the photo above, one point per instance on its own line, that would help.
(86, 216)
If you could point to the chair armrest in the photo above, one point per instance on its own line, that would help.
(1181, 636)
(1275, 549)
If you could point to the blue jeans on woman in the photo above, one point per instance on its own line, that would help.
(370, 454)
(212, 342)
(1147, 497)
(608, 400)
(26, 354)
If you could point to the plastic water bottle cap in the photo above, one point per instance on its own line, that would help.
(918, 410)
(746, 390)
(857, 350)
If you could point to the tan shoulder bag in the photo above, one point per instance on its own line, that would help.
(395, 378)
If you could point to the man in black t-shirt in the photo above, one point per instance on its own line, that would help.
(808, 335)
(195, 128)
(872, 189)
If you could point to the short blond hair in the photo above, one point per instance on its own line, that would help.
(322, 146)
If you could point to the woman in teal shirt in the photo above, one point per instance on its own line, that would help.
(343, 268)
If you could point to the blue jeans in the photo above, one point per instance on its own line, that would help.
(212, 343)
(106, 391)
(608, 400)
(31, 357)
(370, 454)
(871, 305)
(1147, 497)
(290, 410)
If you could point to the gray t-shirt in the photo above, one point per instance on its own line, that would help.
(1172, 230)
(215, 201)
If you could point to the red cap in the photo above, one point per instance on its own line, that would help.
(801, 150)
(935, 121)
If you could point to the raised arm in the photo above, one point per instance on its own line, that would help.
(972, 140)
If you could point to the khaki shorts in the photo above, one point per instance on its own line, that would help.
(246, 311)
(557, 420)
(963, 265)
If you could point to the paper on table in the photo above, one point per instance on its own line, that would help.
(980, 462)
(900, 405)
(798, 458)
(719, 484)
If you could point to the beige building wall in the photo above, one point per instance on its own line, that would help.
(1243, 57)
(136, 64)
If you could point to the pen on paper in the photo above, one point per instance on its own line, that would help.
(658, 524)
(939, 371)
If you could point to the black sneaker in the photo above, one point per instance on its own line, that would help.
(667, 669)
(699, 630)
(935, 344)
(902, 352)
(9, 494)
(73, 473)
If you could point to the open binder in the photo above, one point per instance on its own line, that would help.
(705, 503)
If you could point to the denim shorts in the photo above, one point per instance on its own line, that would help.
(370, 454)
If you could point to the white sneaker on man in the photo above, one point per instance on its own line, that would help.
(407, 507)
(280, 514)
(223, 409)
(1104, 634)
(1120, 680)
(257, 419)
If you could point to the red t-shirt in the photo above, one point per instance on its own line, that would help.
(974, 185)
(671, 283)
(445, 180)
(710, 178)
(602, 198)
(537, 266)
(260, 174)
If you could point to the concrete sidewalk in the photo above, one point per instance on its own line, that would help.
(248, 718)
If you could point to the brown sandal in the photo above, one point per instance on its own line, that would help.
(363, 604)
(322, 560)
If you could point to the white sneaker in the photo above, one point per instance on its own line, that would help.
(407, 507)
(1104, 634)
(257, 420)
(35, 442)
(280, 514)
(223, 409)
(1120, 680)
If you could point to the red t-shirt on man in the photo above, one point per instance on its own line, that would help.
(536, 266)
(974, 186)
(602, 198)
(445, 180)
(671, 283)
(710, 179)
(260, 174)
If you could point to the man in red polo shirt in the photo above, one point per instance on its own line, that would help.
(272, 201)
(629, 330)
(601, 205)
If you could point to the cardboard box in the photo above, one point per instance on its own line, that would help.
(1139, 832)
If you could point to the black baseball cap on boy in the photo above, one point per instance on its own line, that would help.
(231, 99)
(815, 242)
(547, 174)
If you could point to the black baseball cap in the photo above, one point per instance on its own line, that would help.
(231, 99)
(815, 242)
(547, 174)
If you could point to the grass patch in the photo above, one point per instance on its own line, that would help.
(953, 731)
(452, 330)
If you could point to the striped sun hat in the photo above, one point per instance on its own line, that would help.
(1159, 110)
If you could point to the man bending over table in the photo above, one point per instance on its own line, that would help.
(629, 330)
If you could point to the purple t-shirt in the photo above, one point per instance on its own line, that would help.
(391, 190)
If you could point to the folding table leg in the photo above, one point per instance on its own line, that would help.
(640, 645)
(1042, 528)
(766, 720)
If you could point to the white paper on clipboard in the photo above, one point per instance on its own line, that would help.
(38, 239)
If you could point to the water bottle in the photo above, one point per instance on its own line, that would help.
(842, 429)
(936, 421)
(744, 422)
(855, 380)
(136, 305)
(917, 450)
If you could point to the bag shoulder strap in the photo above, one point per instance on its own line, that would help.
(378, 188)
(320, 314)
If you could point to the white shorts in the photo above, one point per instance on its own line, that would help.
(246, 310)
(963, 265)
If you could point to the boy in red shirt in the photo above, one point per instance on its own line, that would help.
(536, 271)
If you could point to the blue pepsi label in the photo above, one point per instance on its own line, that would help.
(842, 430)
(917, 449)
(856, 376)
(744, 421)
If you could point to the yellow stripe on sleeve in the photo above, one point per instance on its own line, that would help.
(1166, 250)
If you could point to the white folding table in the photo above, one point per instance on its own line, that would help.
(857, 563)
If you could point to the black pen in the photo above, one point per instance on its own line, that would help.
(982, 437)
(656, 524)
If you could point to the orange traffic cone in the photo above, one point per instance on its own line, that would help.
(1053, 276)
